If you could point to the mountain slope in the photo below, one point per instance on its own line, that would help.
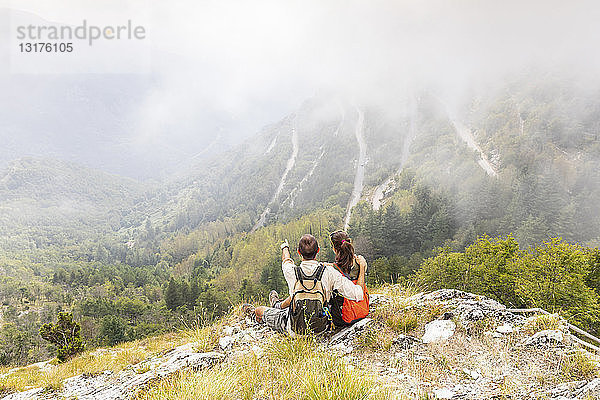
(43, 199)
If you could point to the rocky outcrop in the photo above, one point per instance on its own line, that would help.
(545, 338)
(452, 356)
(576, 390)
(122, 386)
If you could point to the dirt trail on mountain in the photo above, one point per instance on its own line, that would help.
(467, 136)
(292, 196)
(360, 169)
(290, 164)
(381, 189)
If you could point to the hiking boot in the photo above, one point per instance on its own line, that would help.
(248, 309)
(274, 299)
(248, 312)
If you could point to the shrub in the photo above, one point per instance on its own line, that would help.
(65, 335)
(484, 268)
(542, 323)
(553, 276)
(578, 366)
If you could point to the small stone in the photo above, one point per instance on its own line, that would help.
(246, 338)
(544, 338)
(438, 331)
(444, 393)
(226, 341)
(258, 351)
(473, 374)
(505, 329)
(229, 330)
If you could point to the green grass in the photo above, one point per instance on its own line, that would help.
(113, 359)
(292, 369)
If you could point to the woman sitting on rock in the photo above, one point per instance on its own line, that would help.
(344, 311)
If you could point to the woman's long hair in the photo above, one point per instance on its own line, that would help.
(344, 249)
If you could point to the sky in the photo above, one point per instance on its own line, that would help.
(211, 71)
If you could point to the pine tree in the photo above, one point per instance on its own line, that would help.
(172, 295)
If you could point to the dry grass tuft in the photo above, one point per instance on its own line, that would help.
(292, 368)
(375, 337)
(542, 322)
(579, 366)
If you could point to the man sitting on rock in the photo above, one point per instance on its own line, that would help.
(310, 286)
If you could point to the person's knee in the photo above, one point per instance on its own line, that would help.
(259, 311)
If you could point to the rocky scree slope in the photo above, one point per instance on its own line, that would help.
(445, 344)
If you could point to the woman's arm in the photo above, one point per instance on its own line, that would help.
(361, 273)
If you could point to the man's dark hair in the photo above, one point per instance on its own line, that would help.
(308, 247)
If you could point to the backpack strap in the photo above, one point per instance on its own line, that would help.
(318, 275)
(299, 273)
(315, 277)
(341, 272)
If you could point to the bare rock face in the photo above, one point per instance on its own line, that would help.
(351, 332)
(576, 390)
(122, 386)
(468, 307)
(438, 331)
(545, 338)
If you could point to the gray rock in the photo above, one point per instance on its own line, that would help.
(444, 393)
(473, 374)
(407, 341)
(505, 329)
(576, 390)
(438, 331)
(258, 351)
(377, 299)
(567, 389)
(342, 348)
(226, 342)
(467, 306)
(592, 389)
(545, 338)
(350, 332)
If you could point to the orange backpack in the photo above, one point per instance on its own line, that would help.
(353, 310)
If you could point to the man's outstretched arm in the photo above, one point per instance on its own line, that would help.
(285, 252)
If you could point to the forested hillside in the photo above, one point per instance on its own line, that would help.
(132, 258)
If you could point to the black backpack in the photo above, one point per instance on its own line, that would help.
(308, 313)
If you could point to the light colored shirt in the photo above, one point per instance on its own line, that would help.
(332, 279)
